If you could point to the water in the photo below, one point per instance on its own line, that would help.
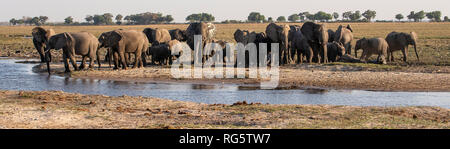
(15, 76)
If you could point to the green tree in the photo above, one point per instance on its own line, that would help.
(446, 19)
(68, 20)
(119, 18)
(355, 16)
(43, 19)
(13, 21)
(108, 18)
(200, 17)
(369, 15)
(36, 21)
(322, 16)
(256, 17)
(346, 15)
(303, 15)
(281, 19)
(399, 17)
(294, 18)
(434, 16)
(99, 20)
(335, 15)
(169, 18)
(89, 18)
(419, 16)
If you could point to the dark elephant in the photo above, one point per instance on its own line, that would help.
(330, 35)
(82, 43)
(344, 35)
(280, 34)
(335, 51)
(301, 48)
(40, 39)
(178, 34)
(125, 41)
(400, 41)
(317, 36)
(157, 36)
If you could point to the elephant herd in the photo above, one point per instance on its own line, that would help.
(310, 43)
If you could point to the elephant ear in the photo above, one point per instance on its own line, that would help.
(149, 33)
(349, 28)
(238, 35)
(116, 37)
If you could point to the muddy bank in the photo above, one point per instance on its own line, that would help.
(347, 77)
(56, 109)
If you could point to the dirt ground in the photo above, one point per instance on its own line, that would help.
(328, 76)
(56, 109)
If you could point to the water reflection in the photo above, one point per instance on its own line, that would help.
(14, 76)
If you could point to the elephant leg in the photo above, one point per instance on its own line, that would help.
(349, 48)
(91, 62)
(66, 63)
(123, 60)
(74, 62)
(405, 53)
(137, 59)
(116, 60)
(40, 50)
(83, 63)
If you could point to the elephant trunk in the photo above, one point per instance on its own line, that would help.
(415, 49)
(110, 56)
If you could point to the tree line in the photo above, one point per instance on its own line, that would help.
(253, 17)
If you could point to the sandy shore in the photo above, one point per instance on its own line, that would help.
(334, 76)
(56, 109)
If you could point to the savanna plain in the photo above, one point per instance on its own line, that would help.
(57, 109)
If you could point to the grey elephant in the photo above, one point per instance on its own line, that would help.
(207, 32)
(400, 41)
(82, 43)
(157, 36)
(301, 48)
(335, 51)
(344, 35)
(40, 39)
(122, 42)
(317, 36)
(372, 46)
(245, 37)
(178, 34)
(162, 53)
(280, 34)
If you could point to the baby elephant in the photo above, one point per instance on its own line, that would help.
(373, 46)
(335, 51)
(160, 53)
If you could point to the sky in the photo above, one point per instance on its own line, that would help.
(57, 10)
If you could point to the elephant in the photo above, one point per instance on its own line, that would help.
(300, 46)
(344, 35)
(82, 43)
(330, 35)
(372, 46)
(280, 34)
(245, 37)
(207, 32)
(160, 53)
(157, 36)
(122, 42)
(317, 37)
(40, 39)
(335, 51)
(178, 34)
(401, 41)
